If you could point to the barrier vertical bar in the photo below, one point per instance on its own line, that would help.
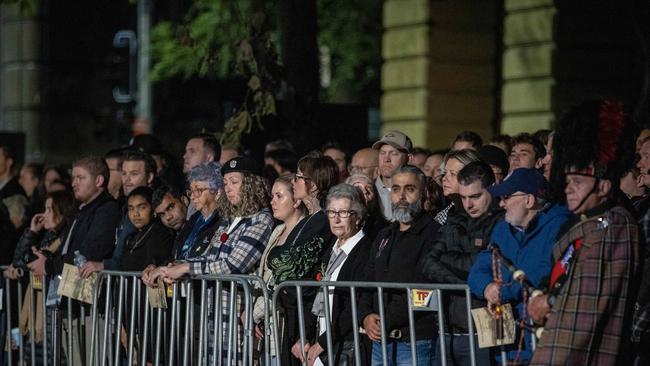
(32, 319)
(355, 325)
(70, 333)
(231, 322)
(202, 321)
(109, 280)
(441, 328)
(470, 327)
(21, 349)
(145, 330)
(8, 318)
(44, 295)
(301, 324)
(118, 321)
(218, 331)
(172, 331)
(382, 322)
(135, 302)
(409, 296)
(188, 320)
(328, 325)
(155, 351)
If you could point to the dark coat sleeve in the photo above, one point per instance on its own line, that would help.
(26, 241)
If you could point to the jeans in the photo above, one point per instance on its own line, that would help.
(425, 351)
(458, 351)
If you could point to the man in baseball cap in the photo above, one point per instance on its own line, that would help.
(394, 152)
(525, 237)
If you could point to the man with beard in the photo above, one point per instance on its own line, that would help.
(394, 152)
(394, 258)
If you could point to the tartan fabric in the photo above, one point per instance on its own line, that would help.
(242, 250)
(589, 322)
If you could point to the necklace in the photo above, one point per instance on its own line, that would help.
(137, 242)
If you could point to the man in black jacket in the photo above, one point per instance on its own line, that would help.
(91, 230)
(393, 258)
(450, 259)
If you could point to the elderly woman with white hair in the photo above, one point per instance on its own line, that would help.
(344, 260)
(205, 188)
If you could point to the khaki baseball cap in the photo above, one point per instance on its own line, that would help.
(395, 139)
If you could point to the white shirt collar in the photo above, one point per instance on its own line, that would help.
(350, 243)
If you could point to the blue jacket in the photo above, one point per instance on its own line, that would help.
(529, 250)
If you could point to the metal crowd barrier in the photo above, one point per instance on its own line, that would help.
(435, 304)
(200, 326)
(208, 321)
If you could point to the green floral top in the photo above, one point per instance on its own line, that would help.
(301, 254)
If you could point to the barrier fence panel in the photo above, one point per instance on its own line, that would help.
(208, 320)
(435, 304)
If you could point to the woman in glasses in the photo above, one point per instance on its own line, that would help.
(206, 187)
(344, 260)
(236, 248)
(300, 257)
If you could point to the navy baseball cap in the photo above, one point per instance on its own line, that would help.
(526, 180)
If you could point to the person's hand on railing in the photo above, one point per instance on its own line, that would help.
(174, 271)
(90, 267)
(10, 273)
(259, 333)
(372, 325)
(38, 265)
(314, 351)
(150, 276)
(295, 350)
(539, 309)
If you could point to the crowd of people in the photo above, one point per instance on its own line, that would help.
(564, 213)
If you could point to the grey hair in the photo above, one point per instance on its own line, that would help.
(464, 156)
(344, 190)
(413, 170)
(209, 172)
(17, 206)
(358, 176)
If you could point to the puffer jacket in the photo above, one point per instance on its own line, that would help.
(451, 257)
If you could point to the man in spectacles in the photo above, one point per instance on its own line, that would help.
(525, 237)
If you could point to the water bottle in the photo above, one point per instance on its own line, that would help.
(79, 259)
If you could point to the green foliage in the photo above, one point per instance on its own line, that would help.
(26, 7)
(205, 44)
(352, 31)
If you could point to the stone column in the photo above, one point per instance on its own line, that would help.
(21, 76)
(528, 76)
(439, 72)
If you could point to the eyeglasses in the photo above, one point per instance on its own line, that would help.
(344, 214)
(507, 197)
(299, 176)
(197, 191)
